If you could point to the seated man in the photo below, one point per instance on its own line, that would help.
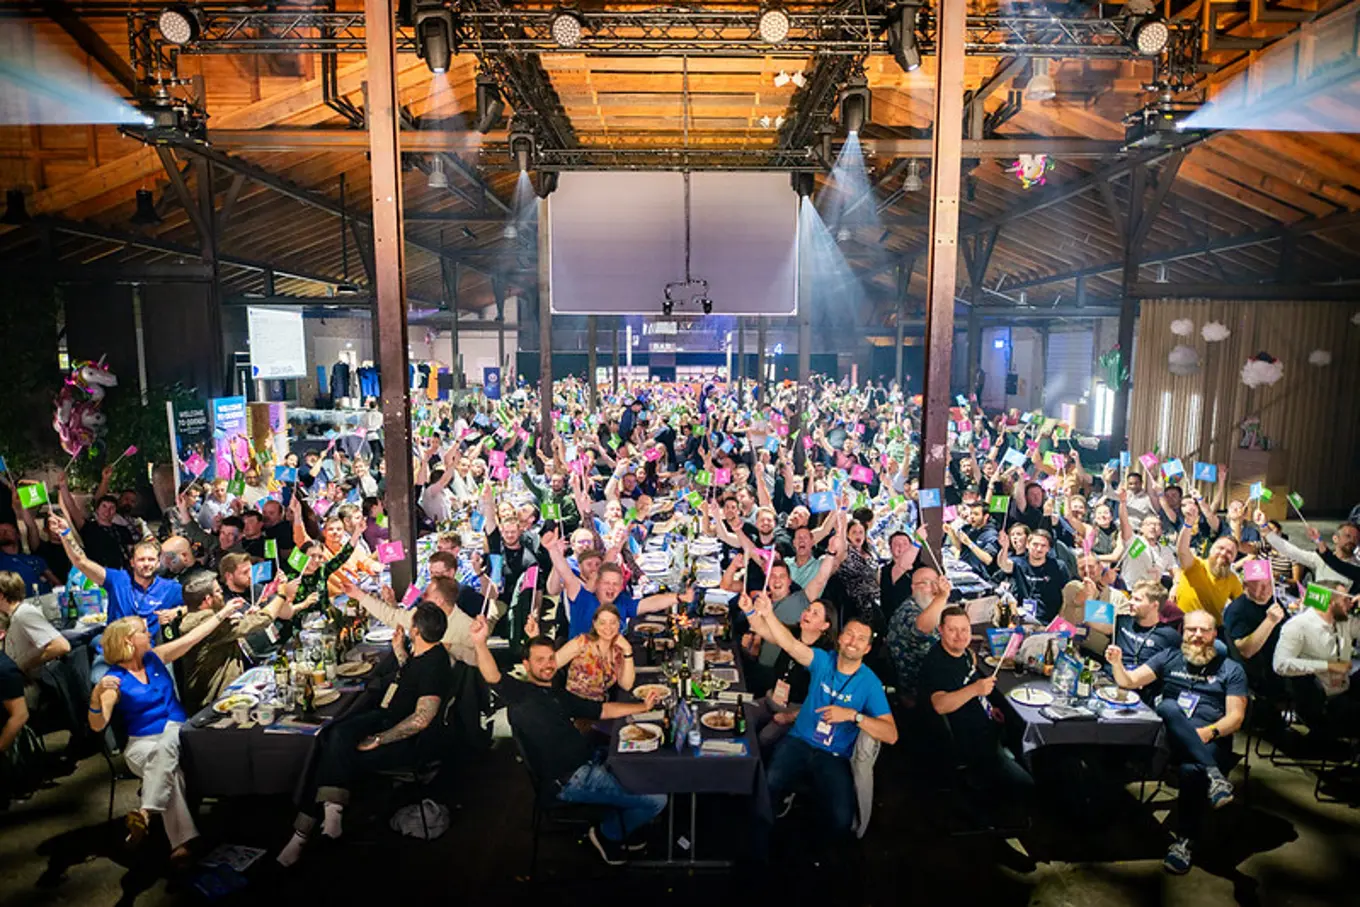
(441, 591)
(560, 757)
(1314, 653)
(844, 698)
(25, 635)
(1204, 700)
(14, 711)
(1036, 576)
(1252, 621)
(219, 659)
(381, 738)
(952, 686)
(1140, 634)
(1207, 583)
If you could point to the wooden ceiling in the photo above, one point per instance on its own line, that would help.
(1233, 184)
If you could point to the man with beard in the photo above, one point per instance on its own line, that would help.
(1204, 699)
(1314, 652)
(912, 628)
(1206, 584)
(1338, 565)
(976, 542)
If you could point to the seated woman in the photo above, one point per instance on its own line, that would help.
(599, 658)
(779, 708)
(139, 678)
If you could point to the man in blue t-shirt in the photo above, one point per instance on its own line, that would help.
(1204, 700)
(582, 603)
(844, 699)
(138, 591)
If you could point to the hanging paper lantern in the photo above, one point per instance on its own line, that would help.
(1182, 327)
(1263, 369)
(1319, 358)
(1214, 332)
(1183, 360)
(1031, 169)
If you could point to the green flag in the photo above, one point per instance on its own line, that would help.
(1267, 494)
(999, 503)
(550, 510)
(271, 548)
(615, 441)
(34, 495)
(695, 499)
(862, 500)
(381, 520)
(1296, 499)
(1319, 597)
(1137, 547)
(703, 477)
(237, 487)
(298, 560)
(631, 515)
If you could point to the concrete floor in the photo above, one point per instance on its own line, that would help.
(1280, 848)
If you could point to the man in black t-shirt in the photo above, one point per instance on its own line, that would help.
(1037, 576)
(953, 692)
(560, 758)
(386, 737)
(1252, 621)
(1204, 700)
(14, 710)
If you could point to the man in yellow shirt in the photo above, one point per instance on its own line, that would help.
(1206, 584)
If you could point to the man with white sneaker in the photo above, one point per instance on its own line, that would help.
(1204, 701)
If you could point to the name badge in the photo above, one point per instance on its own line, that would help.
(387, 697)
(1030, 606)
(1187, 702)
(825, 732)
(272, 632)
(780, 696)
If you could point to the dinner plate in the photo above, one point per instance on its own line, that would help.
(325, 697)
(1124, 699)
(641, 690)
(715, 608)
(382, 634)
(718, 656)
(719, 720)
(1031, 696)
(224, 705)
(91, 620)
(353, 669)
(640, 733)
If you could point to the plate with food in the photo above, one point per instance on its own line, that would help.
(1031, 696)
(718, 656)
(641, 690)
(715, 609)
(325, 697)
(1124, 699)
(719, 720)
(92, 620)
(353, 669)
(224, 705)
(641, 736)
(649, 629)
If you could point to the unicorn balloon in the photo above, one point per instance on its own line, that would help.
(76, 412)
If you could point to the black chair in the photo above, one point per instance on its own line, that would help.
(548, 809)
(948, 775)
(113, 746)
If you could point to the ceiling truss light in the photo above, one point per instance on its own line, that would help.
(1041, 86)
(547, 183)
(802, 182)
(16, 214)
(856, 105)
(902, 37)
(436, 39)
(913, 183)
(1150, 36)
(567, 28)
(490, 105)
(145, 215)
(510, 231)
(178, 24)
(438, 178)
(522, 149)
(774, 25)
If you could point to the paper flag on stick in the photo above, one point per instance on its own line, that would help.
(497, 562)
(390, 552)
(1267, 494)
(271, 548)
(550, 510)
(1124, 459)
(34, 495)
(1012, 647)
(1173, 469)
(1012, 457)
(652, 454)
(262, 572)
(1099, 612)
(999, 503)
(411, 597)
(722, 476)
(1319, 597)
(297, 559)
(496, 458)
(861, 474)
(1205, 472)
(929, 497)
(950, 514)
(1254, 571)
(1296, 499)
(1149, 461)
(196, 464)
(3, 467)
(821, 502)
(1137, 547)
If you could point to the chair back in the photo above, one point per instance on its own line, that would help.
(535, 778)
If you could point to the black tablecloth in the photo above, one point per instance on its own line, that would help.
(231, 762)
(1141, 727)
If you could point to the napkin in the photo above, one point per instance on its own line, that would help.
(653, 715)
(733, 695)
(722, 748)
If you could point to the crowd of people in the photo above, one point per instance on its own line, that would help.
(849, 626)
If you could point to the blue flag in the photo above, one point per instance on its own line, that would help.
(929, 497)
(1206, 472)
(1124, 459)
(497, 569)
(262, 572)
(3, 467)
(285, 474)
(1099, 612)
(821, 502)
(491, 382)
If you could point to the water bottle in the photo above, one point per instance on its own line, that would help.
(695, 738)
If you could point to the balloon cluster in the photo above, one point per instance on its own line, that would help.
(76, 415)
(1031, 169)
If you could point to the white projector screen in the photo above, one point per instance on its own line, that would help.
(615, 239)
(278, 345)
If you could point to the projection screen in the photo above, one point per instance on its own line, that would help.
(615, 239)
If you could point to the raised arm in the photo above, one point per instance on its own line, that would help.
(74, 512)
(168, 652)
(556, 548)
(1136, 679)
(58, 527)
(929, 618)
(486, 662)
(1184, 555)
(772, 631)
(817, 585)
(1003, 553)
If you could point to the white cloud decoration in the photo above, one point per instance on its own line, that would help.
(1319, 358)
(1183, 360)
(1214, 332)
(1258, 372)
(1182, 327)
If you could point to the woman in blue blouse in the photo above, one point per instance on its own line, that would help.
(139, 678)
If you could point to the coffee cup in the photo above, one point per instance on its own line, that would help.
(265, 714)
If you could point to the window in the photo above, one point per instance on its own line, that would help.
(1164, 424)
(1192, 427)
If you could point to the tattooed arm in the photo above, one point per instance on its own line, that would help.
(426, 708)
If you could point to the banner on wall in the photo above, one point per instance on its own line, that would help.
(231, 445)
(190, 435)
(491, 383)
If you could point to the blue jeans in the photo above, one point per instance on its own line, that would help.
(830, 776)
(595, 784)
(1195, 758)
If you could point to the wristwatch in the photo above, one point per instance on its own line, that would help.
(1213, 732)
(859, 718)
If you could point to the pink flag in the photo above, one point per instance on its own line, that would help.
(578, 467)
(949, 514)
(1256, 570)
(722, 477)
(984, 443)
(500, 473)
(965, 425)
(1089, 541)
(652, 453)
(1058, 461)
(1149, 461)
(1013, 645)
(130, 451)
(782, 430)
(196, 464)
(321, 506)
(862, 474)
(859, 428)
(389, 552)
(1031, 444)
(496, 458)
(411, 597)
(361, 432)
(807, 442)
(529, 579)
(1059, 625)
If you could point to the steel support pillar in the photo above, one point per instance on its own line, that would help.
(761, 355)
(592, 335)
(942, 252)
(615, 333)
(390, 278)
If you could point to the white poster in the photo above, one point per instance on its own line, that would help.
(278, 348)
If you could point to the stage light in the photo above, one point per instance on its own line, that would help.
(435, 37)
(522, 147)
(843, 235)
(490, 105)
(547, 183)
(802, 182)
(765, 122)
(667, 306)
(855, 101)
(902, 37)
(913, 183)
(707, 304)
(774, 25)
(16, 214)
(567, 28)
(782, 79)
(178, 25)
(438, 178)
(509, 231)
(1041, 85)
(1150, 36)
(145, 215)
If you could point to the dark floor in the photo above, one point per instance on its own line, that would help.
(1281, 848)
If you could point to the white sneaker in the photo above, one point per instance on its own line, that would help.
(1220, 792)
